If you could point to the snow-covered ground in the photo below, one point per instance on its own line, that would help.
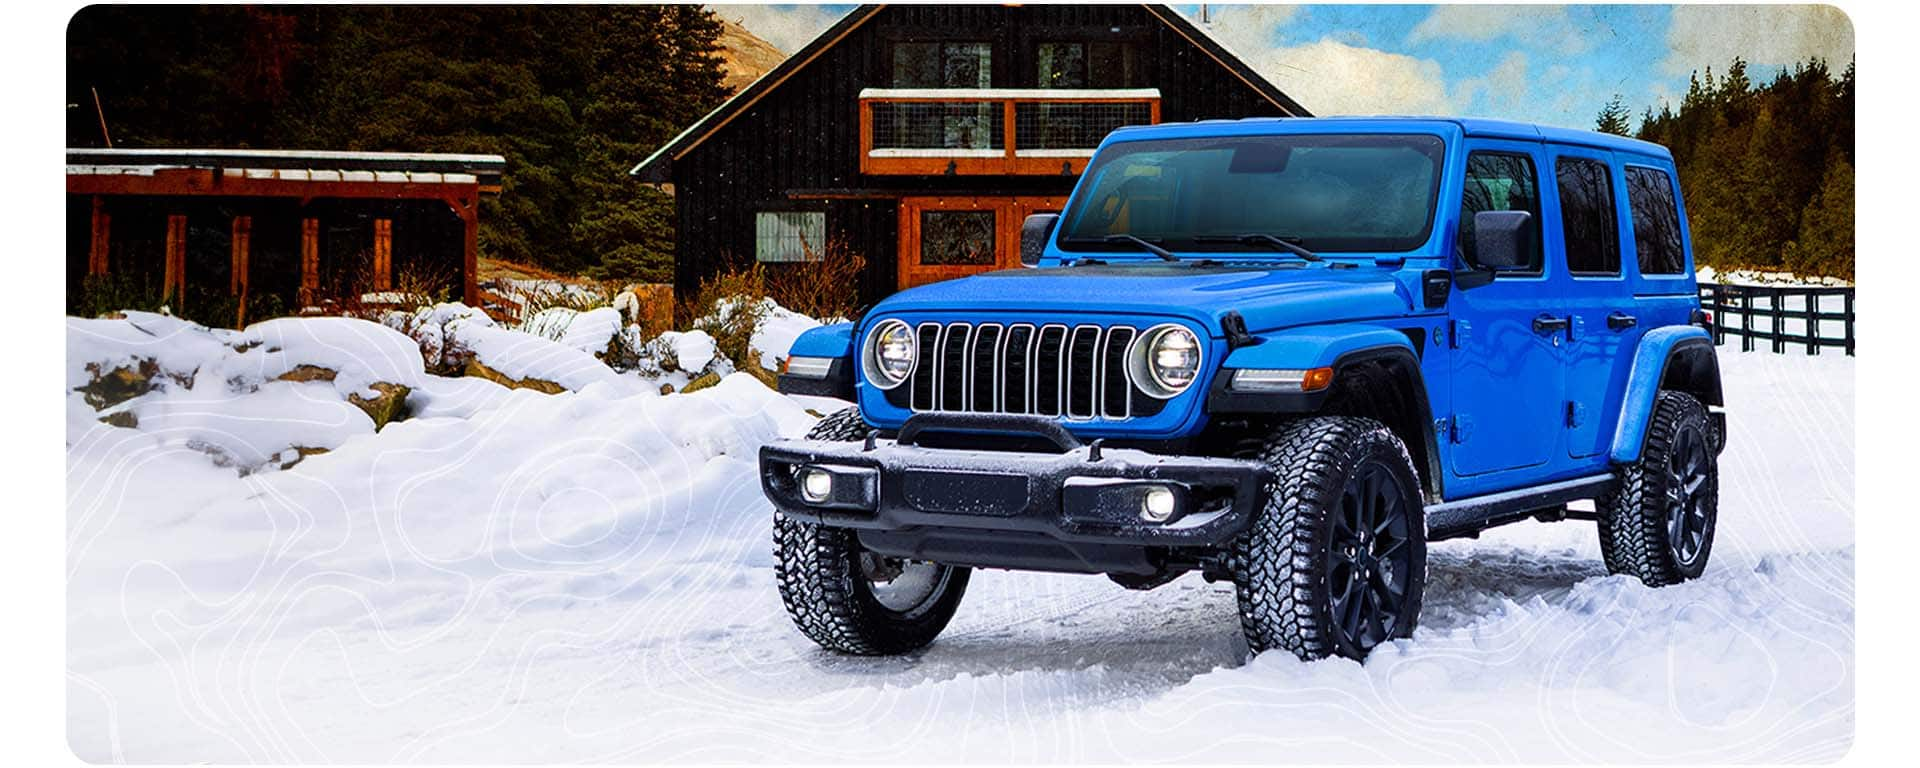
(512, 576)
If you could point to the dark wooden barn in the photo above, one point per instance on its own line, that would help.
(273, 231)
(920, 136)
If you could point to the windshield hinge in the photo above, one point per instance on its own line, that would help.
(1235, 328)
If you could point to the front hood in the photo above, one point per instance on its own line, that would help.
(1267, 296)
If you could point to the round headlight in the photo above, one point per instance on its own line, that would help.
(1166, 360)
(889, 354)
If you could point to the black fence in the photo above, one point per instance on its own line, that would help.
(1783, 318)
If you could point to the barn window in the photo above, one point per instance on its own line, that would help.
(950, 64)
(1099, 64)
(789, 235)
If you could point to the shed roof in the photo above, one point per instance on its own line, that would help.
(302, 165)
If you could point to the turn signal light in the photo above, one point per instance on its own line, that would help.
(1282, 379)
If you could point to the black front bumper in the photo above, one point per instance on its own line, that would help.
(1078, 510)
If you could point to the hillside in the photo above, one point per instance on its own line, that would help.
(745, 56)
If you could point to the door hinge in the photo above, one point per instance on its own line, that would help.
(1576, 414)
(1456, 429)
(1461, 330)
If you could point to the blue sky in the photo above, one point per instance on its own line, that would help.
(1548, 63)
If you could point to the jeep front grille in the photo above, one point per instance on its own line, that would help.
(1077, 372)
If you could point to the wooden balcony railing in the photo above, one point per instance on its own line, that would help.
(1000, 131)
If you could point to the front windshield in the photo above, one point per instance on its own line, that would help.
(1327, 193)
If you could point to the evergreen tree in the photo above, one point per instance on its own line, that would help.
(1824, 244)
(1767, 169)
(1615, 118)
(634, 105)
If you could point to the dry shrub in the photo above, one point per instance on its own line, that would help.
(353, 291)
(574, 296)
(652, 308)
(824, 287)
(729, 307)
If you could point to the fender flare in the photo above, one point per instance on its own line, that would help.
(1338, 346)
(1678, 353)
(829, 341)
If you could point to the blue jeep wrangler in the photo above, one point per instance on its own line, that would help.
(1282, 353)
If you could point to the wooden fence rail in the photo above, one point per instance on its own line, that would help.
(1784, 317)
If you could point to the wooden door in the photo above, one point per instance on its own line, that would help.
(942, 238)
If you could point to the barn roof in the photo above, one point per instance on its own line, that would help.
(654, 169)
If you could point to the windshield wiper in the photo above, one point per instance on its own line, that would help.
(1143, 243)
(1262, 238)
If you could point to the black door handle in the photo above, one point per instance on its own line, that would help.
(1621, 321)
(1546, 324)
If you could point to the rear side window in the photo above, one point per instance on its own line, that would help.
(1500, 181)
(1586, 216)
(1656, 222)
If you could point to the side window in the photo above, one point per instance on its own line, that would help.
(789, 235)
(1500, 181)
(1587, 220)
(1656, 222)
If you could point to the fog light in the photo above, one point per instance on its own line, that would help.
(815, 485)
(1157, 505)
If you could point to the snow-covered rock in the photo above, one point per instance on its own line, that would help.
(525, 360)
(150, 349)
(591, 331)
(692, 351)
(359, 353)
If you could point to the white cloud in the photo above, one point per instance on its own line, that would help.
(1541, 25)
(1329, 77)
(1506, 87)
(787, 27)
(1248, 28)
(1711, 35)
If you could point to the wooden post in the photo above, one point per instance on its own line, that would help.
(1776, 321)
(1849, 320)
(102, 229)
(470, 255)
(174, 283)
(382, 254)
(242, 258)
(1813, 321)
(1746, 320)
(1009, 133)
(242, 248)
(309, 262)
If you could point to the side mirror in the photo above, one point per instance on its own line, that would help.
(1034, 233)
(1502, 240)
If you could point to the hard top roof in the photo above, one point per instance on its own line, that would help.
(1469, 126)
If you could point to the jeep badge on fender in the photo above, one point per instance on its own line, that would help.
(1283, 353)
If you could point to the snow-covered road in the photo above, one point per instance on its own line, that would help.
(585, 576)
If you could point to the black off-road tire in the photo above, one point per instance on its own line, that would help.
(1638, 530)
(826, 588)
(1281, 565)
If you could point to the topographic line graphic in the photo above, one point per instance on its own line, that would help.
(507, 575)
